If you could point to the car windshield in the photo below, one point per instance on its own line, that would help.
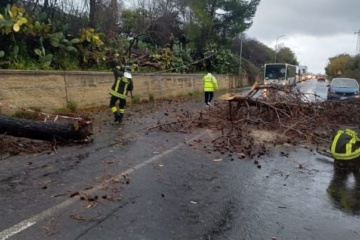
(345, 83)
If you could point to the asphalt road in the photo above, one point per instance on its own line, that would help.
(135, 182)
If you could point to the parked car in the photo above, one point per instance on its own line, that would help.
(343, 88)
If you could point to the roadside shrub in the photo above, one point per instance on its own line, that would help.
(66, 63)
(195, 93)
(136, 99)
(72, 106)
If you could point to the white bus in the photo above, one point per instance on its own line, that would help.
(280, 74)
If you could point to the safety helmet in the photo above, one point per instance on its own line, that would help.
(128, 68)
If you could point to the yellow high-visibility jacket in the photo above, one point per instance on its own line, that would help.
(210, 83)
(345, 144)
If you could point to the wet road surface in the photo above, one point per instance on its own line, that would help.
(314, 90)
(132, 183)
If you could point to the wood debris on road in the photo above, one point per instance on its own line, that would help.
(285, 113)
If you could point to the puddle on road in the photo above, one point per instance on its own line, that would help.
(344, 191)
(344, 188)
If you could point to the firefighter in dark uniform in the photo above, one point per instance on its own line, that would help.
(122, 84)
(345, 149)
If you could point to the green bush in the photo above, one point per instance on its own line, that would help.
(151, 97)
(136, 99)
(195, 93)
(72, 106)
(66, 63)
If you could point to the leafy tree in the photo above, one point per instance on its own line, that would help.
(104, 16)
(254, 51)
(219, 60)
(170, 35)
(286, 55)
(4, 3)
(352, 68)
(337, 64)
(152, 21)
(218, 20)
(135, 24)
(165, 30)
(354, 63)
(92, 13)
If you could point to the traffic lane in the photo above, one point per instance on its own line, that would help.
(31, 184)
(37, 186)
(50, 180)
(34, 183)
(288, 198)
(117, 156)
(191, 194)
(166, 199)
(313, 90)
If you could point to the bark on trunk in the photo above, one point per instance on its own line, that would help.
(49, 131)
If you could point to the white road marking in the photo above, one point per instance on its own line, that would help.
(21, 226)
(16, 229)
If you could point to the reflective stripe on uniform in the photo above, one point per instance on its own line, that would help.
(113, 109)
(352, 139)
(115, 92)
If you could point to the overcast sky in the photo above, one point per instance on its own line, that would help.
(314, 29)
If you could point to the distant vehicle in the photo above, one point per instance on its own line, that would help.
(309, 76)
(321, 78)
(280, 74)
(303, 73)
(343, 88)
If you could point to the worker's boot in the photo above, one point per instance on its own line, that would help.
(116, 117)
(120, 117)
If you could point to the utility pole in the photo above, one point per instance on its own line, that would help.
(358, 43)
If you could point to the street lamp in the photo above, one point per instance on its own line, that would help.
(276, 45)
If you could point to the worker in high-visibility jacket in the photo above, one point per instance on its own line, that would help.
(122, 84)
(210, 85)
(345, 149)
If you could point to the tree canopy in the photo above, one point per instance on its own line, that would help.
(337, 65)
(286, 55)
(150, 35)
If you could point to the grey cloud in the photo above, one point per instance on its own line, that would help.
(305, 17)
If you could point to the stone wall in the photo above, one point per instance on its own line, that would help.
(52, 90)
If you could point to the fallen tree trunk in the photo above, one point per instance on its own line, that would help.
(49, 131)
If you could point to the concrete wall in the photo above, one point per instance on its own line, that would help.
(51, 90)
